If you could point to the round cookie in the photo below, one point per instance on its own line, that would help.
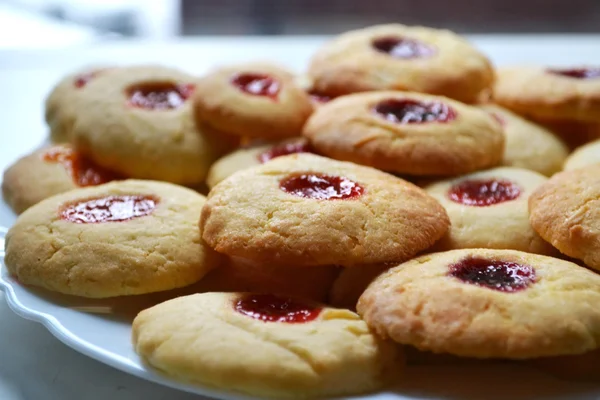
(588, 154)
(121, 238)
(252, 156)
(575, 134)
(264, 346)
(552, 93)
(406, 133)
(489, 209)
(254, 100)
(61, 103)
(241, 275)
(565, 212)
(399, 57)
(528, 145)
(304, 209)
(352, 282)
(487, 304)
(139, 122)
(317, 97)
(47, 172)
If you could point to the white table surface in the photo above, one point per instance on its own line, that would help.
(34, 365)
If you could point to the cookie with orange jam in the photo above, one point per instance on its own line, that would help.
(407, 133)
(487, 304)
(61, 103)
(303, 209)
(139, 122)
(255, 100)
(47, 172)
(265, 346)
(254, 155)
(121, 238)
(399, 57)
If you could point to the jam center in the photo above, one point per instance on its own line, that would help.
(482, 193)
(414, 112)
(578, 73)
(257, 84)
(159, 96)
(271, 308)
(82, 170)
(504, 276)
(321, 187)
(109, 209)
(403, 48)
(318, 97)
(283, 149)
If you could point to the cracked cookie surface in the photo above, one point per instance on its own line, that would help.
(565, 211)
(505, 304)
(250, 215)
(159, 250)
(203, 339)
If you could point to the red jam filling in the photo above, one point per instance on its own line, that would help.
(403, 48)
(321, 187)
(504, 276)
(81, 169)
(577, 73)
(481, 193)
(284, 149)
(318, 97)
(159, 96)
(414, 112)
(256, 84)
(109, 209)
(271, 308)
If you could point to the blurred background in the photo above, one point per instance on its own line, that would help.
(57, 23)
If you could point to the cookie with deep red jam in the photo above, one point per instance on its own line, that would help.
(399, 57)
(304, 209)
(249, 343)
(120, 238)
(254, 100)
(406, 133)
(47, 172)
(486, 303)
(489, 209)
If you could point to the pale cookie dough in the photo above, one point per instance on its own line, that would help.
(205, 339)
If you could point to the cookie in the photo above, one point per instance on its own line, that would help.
(247, 157)
(528, 145)
(304, 209)
(489, 209)
(317, 97)
(352, 282)
(61, 103)
(574, 133)
(47, 172)
(580, 367)
(407, 133)
(588, 154)
(241, 275)
(399, 57)
(264, 346)
(487, 304)
(553, 93)
(121, 238)
(254, 100)
(139, 122)
(565, 212)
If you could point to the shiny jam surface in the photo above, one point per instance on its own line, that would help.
(321, 187)
(318, 97)
(577, 73)
(283, 149)
(159, 95)
(414, 112)
(81, 169)
(403, 48)
(271, 308)
(481, 193)
(504, 276)
(109, 209)
(257, 84)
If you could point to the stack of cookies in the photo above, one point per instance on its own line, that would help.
(400, 203)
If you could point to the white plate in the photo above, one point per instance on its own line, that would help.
(101, 330)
